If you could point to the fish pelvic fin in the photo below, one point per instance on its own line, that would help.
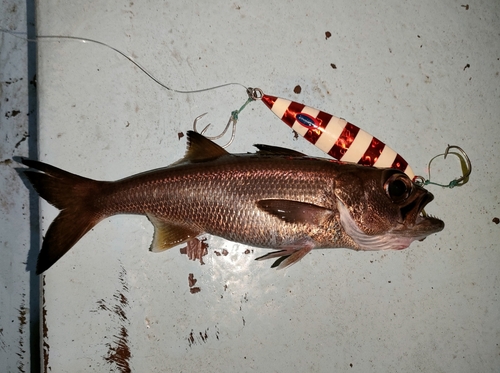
(74, 196)
(290, 255)
(168, 235)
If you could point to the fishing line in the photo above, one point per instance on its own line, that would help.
(142, 68)
(465, 165)
(335, 136)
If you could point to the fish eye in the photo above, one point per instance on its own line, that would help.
(398, 187)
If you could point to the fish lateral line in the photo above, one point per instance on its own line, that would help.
(271, 200)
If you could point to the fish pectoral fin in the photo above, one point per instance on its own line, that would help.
(168, 235)
(293, 211)
(276, 150)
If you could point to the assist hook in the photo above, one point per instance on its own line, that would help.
(465, 164)
(253, 94)
(233, 119)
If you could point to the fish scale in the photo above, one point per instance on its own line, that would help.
(276, 198)
(225, 195)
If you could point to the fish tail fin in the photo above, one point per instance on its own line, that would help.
(74, 196)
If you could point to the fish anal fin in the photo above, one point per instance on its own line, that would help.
(201, 149)
(293, 211)
(168, 235)
(276, 150)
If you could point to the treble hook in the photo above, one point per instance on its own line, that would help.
(233, 119)
(466, 169)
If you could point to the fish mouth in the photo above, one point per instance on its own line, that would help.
(411, 199)
(414, 216)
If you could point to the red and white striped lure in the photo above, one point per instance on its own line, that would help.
(335, 136)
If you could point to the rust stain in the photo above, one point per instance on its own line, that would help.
(22, 324)
(192, 281)
(297, 89)
(496, 220)
(2, 342)
(201, 337)
(195, 249)
(45, 332)
(119, 354)
(119, 351)
(328, 34)
(24, 138)
(244, 300)
(191, 339)
(12, 113)
(223, 253)
(204, 336)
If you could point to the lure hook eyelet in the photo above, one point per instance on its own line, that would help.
(255, 93)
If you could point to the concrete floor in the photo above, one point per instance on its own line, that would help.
(418, 75)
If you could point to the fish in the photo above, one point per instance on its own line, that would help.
(275, 198)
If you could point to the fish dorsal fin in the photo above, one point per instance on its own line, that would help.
(168, 235)
(201, 149)
(293, 211)
(276, 150)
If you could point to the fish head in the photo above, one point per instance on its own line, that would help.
(383, 209)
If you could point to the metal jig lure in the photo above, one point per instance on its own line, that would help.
(335, 136)
(340, 139)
